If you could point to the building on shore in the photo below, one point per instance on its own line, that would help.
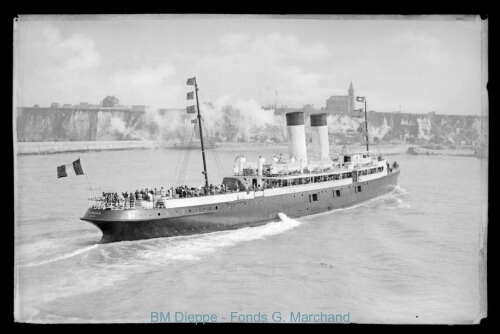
(110, 102)
(343, 104)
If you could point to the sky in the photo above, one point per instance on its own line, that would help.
(412, 64)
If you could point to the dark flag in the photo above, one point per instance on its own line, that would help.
(71, 169)
(190, 95)
(191, 110)
(357, 113)
(190, 81)
(78, 167)
(194, 121)
(360, 98)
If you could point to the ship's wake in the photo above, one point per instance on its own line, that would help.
(395, 200)
(399, 191)
(60, 257)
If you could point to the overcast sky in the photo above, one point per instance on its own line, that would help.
(421, 65)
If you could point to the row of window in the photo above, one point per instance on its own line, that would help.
(371, 171)
(335, 193)
(312, 198)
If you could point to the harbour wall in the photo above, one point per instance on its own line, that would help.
(29, 148)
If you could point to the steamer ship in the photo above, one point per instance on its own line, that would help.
(257, 192)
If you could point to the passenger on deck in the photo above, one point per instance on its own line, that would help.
(132, 199)
(120, 199)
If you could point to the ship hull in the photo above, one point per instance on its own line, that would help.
(127, 225)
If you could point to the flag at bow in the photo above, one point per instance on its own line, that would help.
(190, 95)
(360, 98)
(68, 170)
(190, 81)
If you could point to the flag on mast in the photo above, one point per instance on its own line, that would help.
(190, 81)
(190, 95)
(358, 113)
(360, 98)
(191, 109)
(74, 168)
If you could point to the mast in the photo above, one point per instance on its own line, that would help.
(366, 128)
(201, 136)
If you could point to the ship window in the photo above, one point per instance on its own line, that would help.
(359, 189)
(337, 193)
(314, 197)
(216, 207)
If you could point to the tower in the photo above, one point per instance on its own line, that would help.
(350, 104)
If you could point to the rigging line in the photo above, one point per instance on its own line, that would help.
(182, 161)
(190, 148)
(231, 153)
(211, 144)
(228, 150)
(215, 152)
(218, 163)
(181, 149)
(182, 174)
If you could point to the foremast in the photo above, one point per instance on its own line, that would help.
(192, 81)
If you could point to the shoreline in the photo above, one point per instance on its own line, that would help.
(42, 148)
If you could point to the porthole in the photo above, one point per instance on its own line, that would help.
(159, 214)
(216, 207)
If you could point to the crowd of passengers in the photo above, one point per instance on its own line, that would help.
(131, 199)
(152, 195)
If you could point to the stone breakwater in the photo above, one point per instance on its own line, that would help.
(34, 148)
(26, 148)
